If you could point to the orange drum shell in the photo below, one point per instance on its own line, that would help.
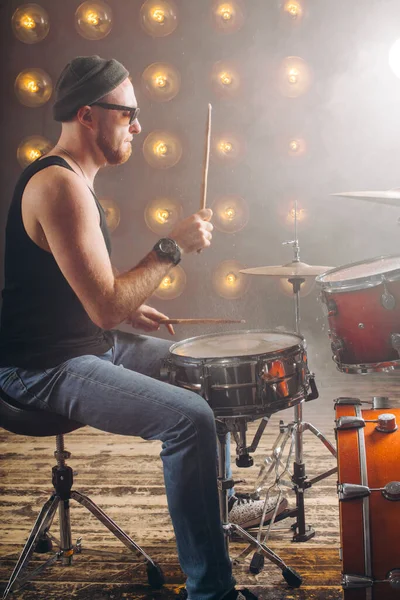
(370, 342)
(383, 466)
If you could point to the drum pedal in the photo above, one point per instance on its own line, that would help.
(244, 461)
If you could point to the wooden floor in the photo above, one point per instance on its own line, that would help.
(124, 476)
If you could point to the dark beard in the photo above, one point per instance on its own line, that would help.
(113, 156)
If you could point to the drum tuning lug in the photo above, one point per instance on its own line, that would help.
(394, 579)
(388, 301)
(387, 423)
(380, 402)
(337, 346)
(332, 308)
(352, 491)
(391, 491)
(349, 423)
(354, 582)
(395, 341)
(347, 401)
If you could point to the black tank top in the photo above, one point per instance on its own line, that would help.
(43, 323)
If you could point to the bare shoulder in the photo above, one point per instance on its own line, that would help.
(57, 189)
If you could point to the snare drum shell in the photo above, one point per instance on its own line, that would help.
(383, 466)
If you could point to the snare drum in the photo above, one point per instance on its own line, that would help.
(362, 302)
(242, 373)
(369, 493)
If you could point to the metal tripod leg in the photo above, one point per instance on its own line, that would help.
(41, 525)
(111, 526)
(290, 576)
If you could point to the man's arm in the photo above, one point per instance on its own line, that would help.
(68, 215)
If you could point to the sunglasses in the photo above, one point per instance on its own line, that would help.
(134, 112)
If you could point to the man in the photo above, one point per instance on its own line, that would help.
(62, 299)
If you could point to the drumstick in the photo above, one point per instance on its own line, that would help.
(198, 321)
(203, 200)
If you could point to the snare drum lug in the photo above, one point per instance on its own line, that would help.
(166, 374)
(395, 341)
(354, 582)
(345, 401)
(394, 578)
(337, 345)
(391, 491)
(388, 301)
(349, 423)
(352, 491)
(332, 308)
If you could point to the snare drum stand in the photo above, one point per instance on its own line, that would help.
(238, 426)
(294, 431)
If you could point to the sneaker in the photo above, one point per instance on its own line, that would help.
(246, 511)
(234, 594)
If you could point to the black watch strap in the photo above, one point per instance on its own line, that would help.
(168, 249)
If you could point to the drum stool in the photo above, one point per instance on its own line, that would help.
(22, 420)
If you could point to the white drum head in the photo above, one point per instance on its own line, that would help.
(236, 344)
(361, 270)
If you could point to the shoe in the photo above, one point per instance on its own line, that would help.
(234, 594)
(246, 510)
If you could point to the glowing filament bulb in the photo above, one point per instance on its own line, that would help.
(162, 215)
(158, 15)
(293, 9)
(92, 18)
(231, 279)
(160, 149)
(226, 12)
(28, 22)
(292, 75)
(225, 147)
(33, 154)
(230, 213)
(160, 81)
(32, 86)
(301, 213)
(166, 283)
(294, 145)
(226, 78)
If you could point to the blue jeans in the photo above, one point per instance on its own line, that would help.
(118, 393)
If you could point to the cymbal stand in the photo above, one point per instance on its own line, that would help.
(294, 431)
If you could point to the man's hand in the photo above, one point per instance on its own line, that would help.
(194, 232)
(148, 319)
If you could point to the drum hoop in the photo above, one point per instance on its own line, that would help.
(358, 283)
(252, 358)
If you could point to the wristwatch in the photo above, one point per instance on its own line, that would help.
(167, 248)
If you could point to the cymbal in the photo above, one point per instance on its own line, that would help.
(389, 197)
(292, 270)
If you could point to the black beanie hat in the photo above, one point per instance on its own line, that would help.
(83, 81)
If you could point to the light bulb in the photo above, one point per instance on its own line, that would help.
(228, 282)
(225, 79)
(296, 147)
(162, 149)
(161, 214)
(225, 147)
(301, 214)
(229, 148)
(228, 17)
(161, 81)
(30, 23)
(231, 214)
(33, 87)
(172, 285)
(294, 9)
(93, 19)
(32, 148)
(294, 76)
(231, 279)
(158, 15)
(159, 18)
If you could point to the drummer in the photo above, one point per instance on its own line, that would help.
(62, 300)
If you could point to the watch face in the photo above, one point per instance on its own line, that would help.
(167, 246)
